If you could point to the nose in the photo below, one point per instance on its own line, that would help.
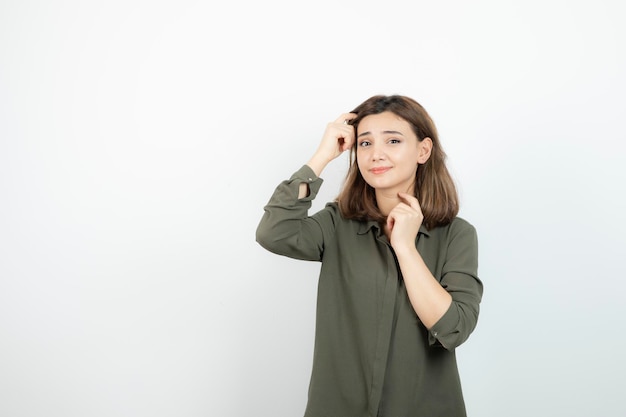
(378, 153)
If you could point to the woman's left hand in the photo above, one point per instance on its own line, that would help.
(404, 222)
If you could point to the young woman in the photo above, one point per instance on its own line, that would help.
(398, 288)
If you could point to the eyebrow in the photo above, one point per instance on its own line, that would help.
(386, 132)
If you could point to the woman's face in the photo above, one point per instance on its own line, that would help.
(388, 152)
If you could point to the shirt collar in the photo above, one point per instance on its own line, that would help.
(365, 227)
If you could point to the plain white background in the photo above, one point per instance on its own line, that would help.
(139, 141)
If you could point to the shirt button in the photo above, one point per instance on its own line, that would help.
(310, 179)
(435, 334)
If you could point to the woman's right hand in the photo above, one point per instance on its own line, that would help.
(338, 138)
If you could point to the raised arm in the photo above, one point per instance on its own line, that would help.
(338, 138)
(286, 227)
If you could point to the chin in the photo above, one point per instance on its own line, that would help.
(381, 185)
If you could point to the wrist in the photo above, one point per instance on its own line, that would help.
(404, 249)
(317, 164)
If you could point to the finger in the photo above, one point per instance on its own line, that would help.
(348, 137)
(390, 222)
(345, 117)
(411, 200)
(407, 198)
(348, 141)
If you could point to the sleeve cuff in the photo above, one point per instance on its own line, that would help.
(306, 175)
(444, 328)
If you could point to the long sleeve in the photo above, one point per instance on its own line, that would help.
(286, 227)
(459, 276)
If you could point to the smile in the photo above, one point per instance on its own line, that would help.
(379, 170)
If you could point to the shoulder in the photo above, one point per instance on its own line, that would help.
(328, 216)
(463, 232)
(459, 223)
(458, 228)
(332, 213)
(331, 209)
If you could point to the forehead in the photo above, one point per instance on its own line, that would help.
(376, 123)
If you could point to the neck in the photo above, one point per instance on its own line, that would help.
(388, 199)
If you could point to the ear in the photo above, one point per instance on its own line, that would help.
(425, 148)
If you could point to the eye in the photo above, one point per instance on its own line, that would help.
(393, 140)
(364, 143)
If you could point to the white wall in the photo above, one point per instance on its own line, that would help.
(139, 141)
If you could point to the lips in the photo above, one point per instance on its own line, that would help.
(379, 170)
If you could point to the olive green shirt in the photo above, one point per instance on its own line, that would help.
(372, 355)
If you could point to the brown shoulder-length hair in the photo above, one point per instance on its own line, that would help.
(434, 187)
